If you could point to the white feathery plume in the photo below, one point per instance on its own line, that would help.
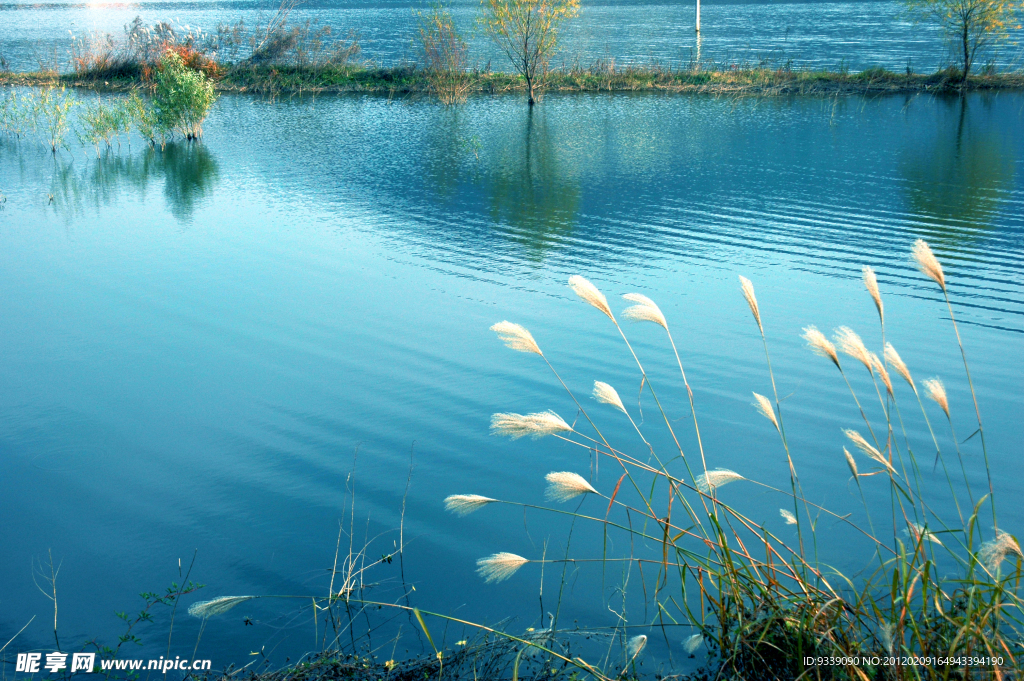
(820, 345)
(217, 606)
(635, 645)
(893, 358)
(883, 373)
(850, 462)
(606, 394)
(748, 293)
(717, 478)
(691, 643)
(500, 566)
(928, 263)
(535, 425)
(936, 391)
(871, 284)
(858, 440)
(516, 337)
(764, 406)
(787, 516)
(589, 293)
(888, 633)
(917, 532)
(566, 485)
(992, 553)
(645, 310)
(464, 504)
(851, 344)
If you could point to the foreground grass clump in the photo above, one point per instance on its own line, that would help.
(939, 597)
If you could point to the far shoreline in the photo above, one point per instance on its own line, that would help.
(405, 80)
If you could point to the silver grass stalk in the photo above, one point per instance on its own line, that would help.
(464, 504)
(645, 310)
(748, 293)
(928, 263)
(992, 553)
(717, 478)
(882, 372)
(691, 643)
(888, 634)
(589, 293)
(606, 394)
(893, 358)
(787, 516)
(850, 462)
(499, 567)
(566, 485)
(851, 344)
(863, 445)
(917, 532)
(764, 406)
(516, 337)
(936, 391)
(536, 425)
(217, 606)
(871, 284)
(635, 645)
(820, 345)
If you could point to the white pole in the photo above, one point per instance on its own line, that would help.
(698, 16)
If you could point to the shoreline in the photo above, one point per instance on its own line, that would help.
(277, 80)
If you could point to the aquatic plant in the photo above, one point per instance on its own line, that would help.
(182, 98)
(445, 55)
(105, 122)
(49, 108)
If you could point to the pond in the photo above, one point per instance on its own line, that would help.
(220, 352)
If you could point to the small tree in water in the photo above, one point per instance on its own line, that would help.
(527, 31)
(970, 25)
(182, 99)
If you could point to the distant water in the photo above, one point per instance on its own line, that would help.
(199, 345)
(832, 35)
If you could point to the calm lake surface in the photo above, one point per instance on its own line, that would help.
(200, 345)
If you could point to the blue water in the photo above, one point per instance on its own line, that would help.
(201, 345)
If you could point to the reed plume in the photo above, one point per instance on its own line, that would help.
(858, 440)
(992, 553)
(645, 310)
(717, 478)
(850, 462)
(566, 485)
(499, 567)
(691, 643)
(936, 391)
(787, 516)
(464, 504)
(536, 425)
(748, 293)
(766, 409)
(871, 284)
(918, 532)
(606, 394)
(821, 345)
(516, 337)
(882, 372)
(851, 344)
(635, 645)
(217, 606)
(589, 293)
(928, 263)
(893, 358)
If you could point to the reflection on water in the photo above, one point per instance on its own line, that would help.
(351, 257)
(958, 183)
(188, 172)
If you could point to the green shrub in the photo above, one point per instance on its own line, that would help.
(104, 123)
(182, 98)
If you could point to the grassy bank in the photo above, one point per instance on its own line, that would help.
(406, 80)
